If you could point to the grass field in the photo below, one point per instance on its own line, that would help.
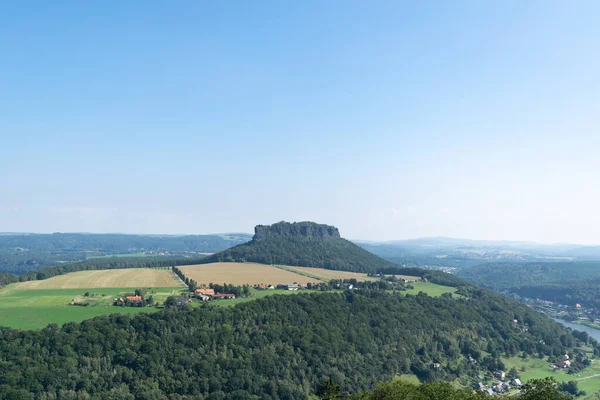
(112, 278)
(33, 309)
(328, 274)
(430, 289)
(242, 273)
(259, 294)
(410, 378)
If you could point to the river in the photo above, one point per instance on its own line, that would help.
(595, 333)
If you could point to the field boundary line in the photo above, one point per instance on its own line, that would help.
(301, 273)
(178, 278)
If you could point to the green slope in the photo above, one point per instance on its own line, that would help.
(305, 244)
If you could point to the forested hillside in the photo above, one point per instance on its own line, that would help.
(565, 282)
(304, 244)
(276, 347)
(24, 253)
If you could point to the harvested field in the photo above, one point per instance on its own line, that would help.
(241, 273)
(111, 278)
(329, 274)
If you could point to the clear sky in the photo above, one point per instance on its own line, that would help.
(390, 120)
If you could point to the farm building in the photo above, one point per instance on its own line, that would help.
(203, 297)
(499, 375)
(208, 292)
(223, 296)
(291, 286)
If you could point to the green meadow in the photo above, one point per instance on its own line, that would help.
(535, 368)
(430, 289)
(34, 309)
(259, 294)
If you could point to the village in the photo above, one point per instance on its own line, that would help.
(578, 312)
(500, 384)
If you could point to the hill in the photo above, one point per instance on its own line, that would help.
(25, 253)
(276, 347)
(303, 244)
(567, 283)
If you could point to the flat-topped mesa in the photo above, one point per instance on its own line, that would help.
(295, 229)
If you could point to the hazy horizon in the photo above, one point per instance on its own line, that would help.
(389, 120)
(342, 234)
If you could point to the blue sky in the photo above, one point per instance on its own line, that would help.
(389, 120)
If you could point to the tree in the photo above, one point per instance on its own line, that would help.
(542, 389)
(512, 373)
(569, 387)
(329, 390)
(171, 301)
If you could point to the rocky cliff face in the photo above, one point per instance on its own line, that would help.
(286, 229)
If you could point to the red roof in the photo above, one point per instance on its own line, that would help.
(134, 298)
(205, 291)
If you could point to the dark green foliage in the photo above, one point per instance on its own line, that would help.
(303, 244)
(564, 282)
(570, 387)
(537, 389)
(276, 347)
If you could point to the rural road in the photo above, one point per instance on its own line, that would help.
(588, 377)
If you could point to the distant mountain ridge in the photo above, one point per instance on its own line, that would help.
(305, 244)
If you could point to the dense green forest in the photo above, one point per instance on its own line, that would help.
(25, 253)
(537, 389)
(304, 244)
(276, 347)
(565, 282)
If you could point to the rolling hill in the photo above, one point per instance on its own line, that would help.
(304, 244)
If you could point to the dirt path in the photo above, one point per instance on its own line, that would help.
(588, 377)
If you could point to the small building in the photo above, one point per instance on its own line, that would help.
(129, 301)
(208, 292)
(290, 286)
(270, 287)
(437, 365)
(203, 297)
(500, 374)
(506, 386)
(566, 357)
(517, 382)
(478, 386)
(260, 286)
(218, 296)
(562, 364)
(578, 305)
(490, 392)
